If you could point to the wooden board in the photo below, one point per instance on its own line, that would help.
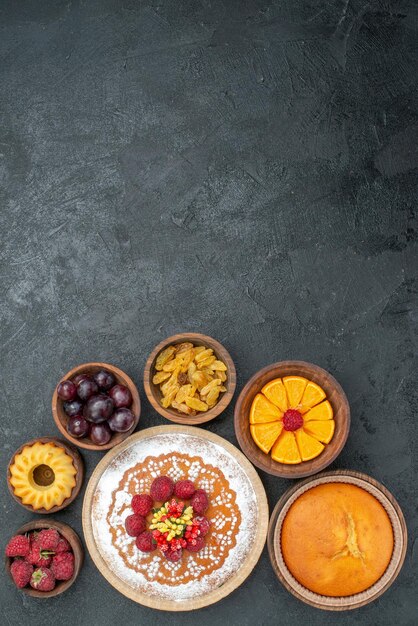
(336, 397)
(242, 571)
(153, 391)
(399, 530)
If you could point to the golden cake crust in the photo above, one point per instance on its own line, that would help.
(337, 539)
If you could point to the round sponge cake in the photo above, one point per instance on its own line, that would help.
(337, 539)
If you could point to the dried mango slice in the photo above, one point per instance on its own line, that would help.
(201, 356)
(194, 403)
(190, 371)
(213, 383)
(183, 408)
(206, 362)
(218, 365)
(184, 391)
(183, 347)
(170, 366)
(163, 357)
(160, 377)
(167, 400)
(200, 379)
(188, 357)
(212, 397)
(170, 383)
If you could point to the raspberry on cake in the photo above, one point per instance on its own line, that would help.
(174, 526)
(162, 488)
(184, 489)
(135, 525)
(204, 525)
(199, 501)
(146, 542)
(142, 504)
(195, 545)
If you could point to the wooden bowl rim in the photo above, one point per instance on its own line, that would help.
(78, 464)
(394, 511)
(220, 406)
(74, 540)
(116, 437)
(283, 470)
(235, 580)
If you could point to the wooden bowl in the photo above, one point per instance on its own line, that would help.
(61, 418)
(399, 532)
(153, 391)
(77, 462)
(73, 539)
(336, 397)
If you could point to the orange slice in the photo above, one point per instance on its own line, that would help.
(285, 449)
(309, 447)
(275, 391)
(321, 411)
(322, 430)
(312, 395)
(265, 435)
(295, 386)
(263, 411)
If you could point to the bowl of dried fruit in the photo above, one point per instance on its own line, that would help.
(44, 557)
(96, 406)
(189, 378)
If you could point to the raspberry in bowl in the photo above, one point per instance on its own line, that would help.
(96, 406)
(43, 558)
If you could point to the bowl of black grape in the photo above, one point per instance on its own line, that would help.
(96, 406)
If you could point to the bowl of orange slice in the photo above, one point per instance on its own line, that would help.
(292, 419)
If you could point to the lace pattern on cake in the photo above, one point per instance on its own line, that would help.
(223, 513)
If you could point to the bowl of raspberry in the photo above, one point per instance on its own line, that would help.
(96, 406)
(43, 558)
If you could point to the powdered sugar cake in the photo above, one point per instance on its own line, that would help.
(238, 513)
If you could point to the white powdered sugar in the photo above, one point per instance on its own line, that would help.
(234, 537)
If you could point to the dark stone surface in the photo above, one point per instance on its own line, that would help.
(244, 169)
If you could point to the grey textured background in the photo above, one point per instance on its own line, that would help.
(240, 168)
